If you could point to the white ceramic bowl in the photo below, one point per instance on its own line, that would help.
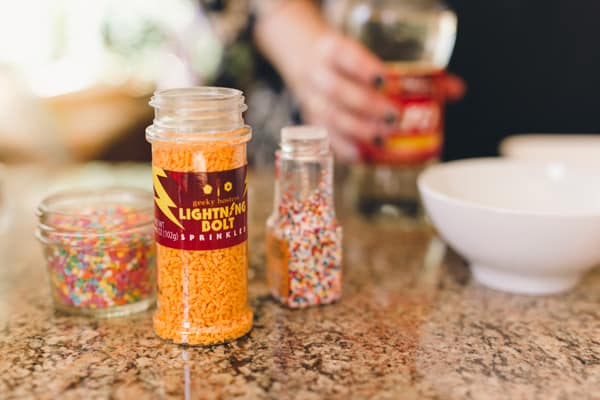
(524, 227)
(557, 148)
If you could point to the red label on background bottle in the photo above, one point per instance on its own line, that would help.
(418, 135)
(200, 210)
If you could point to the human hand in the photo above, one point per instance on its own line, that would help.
(340, 89)
(337, 81)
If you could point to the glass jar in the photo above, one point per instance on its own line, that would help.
(304, 239)
(199, 170)
(415, 39)
(99, 249)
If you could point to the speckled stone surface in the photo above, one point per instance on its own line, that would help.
(408, 327)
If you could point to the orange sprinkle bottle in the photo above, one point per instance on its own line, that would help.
(199, 169)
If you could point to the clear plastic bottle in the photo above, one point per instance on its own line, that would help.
(415, 38)
(304, 239)
(199, 169)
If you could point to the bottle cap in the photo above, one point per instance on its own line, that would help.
(303, 133)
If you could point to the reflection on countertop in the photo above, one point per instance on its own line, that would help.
(407, 327)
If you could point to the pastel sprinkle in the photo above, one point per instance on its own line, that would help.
(104, 260)
(304, 249)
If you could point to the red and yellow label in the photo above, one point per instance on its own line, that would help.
(200, 210)
(418, 135)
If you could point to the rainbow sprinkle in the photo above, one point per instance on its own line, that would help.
(304, 250)
(100, 258)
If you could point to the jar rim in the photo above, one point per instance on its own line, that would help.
(75, 205)
(199, 98)
(200, 92)
(199, 114)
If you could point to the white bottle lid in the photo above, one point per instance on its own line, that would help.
(303, 133)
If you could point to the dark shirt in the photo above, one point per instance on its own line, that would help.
(530, 66)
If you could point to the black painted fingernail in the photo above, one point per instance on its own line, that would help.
(378, 81)
(378, 141)
(390, 118)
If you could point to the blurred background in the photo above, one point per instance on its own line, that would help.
(76, 76)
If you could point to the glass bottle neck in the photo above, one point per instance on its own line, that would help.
(199, 113)
(302, 181)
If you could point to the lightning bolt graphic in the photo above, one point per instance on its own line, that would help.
(162, 199)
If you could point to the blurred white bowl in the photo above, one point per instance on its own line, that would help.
(524, 227)
(558, 148)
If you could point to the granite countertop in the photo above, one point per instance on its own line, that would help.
(409, 326)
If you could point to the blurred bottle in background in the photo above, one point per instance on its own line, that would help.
(415, 38)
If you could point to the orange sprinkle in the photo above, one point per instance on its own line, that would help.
(202, 294)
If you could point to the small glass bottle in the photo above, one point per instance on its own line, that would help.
(415, 39)
(199, 170)
(304, 238)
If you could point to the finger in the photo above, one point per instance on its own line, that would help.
(345, 150)
(353, 59)
(353, 96)
(318, 110)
